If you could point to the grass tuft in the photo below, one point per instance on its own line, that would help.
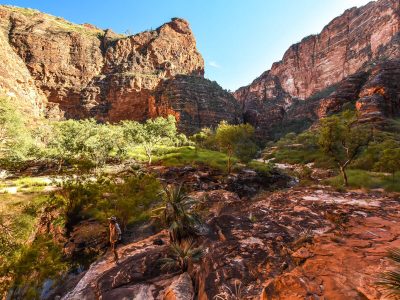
(368, 180)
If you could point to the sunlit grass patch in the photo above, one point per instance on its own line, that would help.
(191, 156)
(31, 181)
(368, 180)
(260, 167)
(20, 211)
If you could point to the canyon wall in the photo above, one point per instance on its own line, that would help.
(16, 82)
(365, 39)
(55, 67)
(87, 72)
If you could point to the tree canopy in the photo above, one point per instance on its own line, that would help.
(343, 139)
(236, 140)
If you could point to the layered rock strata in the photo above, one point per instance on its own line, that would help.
(87, 72)
(357, 41)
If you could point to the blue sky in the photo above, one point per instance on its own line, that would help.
(239, 39)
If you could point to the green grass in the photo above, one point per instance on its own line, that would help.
(138, 154)
(188, 155)
(20, 212)
(182, 156)
(30, 182)
(57, 22)
(28, 12)
(367, 180)
(260, 167)
(26, 184)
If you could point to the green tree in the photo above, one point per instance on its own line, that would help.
(66, 142)
(98, 143)
(15, 138)
(154, 132)
(343, 139)
(120, 142)
(236, 140)
(86, 139)
(389, 161)
(134, 196)
(200, 138)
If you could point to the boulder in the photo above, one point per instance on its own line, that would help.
(180, 289)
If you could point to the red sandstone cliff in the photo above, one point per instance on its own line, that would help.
(16, 83)
(361, 39)
(88, 72)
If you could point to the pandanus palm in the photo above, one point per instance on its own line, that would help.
(182, 255)
(390, 280)
(177, 213)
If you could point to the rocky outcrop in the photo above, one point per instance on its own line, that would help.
(295, 244)
(352, 43)
(339, 266)
(380, 96)
(87, 240)
(196, 102)
(134, 276)
(180, 289)
(254, 246)
(88, 72)
(16, 82)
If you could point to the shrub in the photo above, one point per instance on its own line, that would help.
(32, 265)
(15, 139)
(389, 161)
(177, 213)
(76, 194)
(152, 133)
(128, 198)
(182, 255)
(341, 138)
(236, 140)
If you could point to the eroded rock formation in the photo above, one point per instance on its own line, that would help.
(295, 244)
(365, 39)
(88, 72)
(16, 82)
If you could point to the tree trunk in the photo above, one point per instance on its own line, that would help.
(149, 157)
(60, 163)
(344, 175)
(230, 154)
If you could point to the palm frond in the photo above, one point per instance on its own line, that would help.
(168, 263)
(390, 282)
(181, 254)
(158, 209)
(178, 212)
(394, 255)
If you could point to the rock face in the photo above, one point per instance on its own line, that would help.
(196, 102)
(16, 81)
(355, 42)
(320, 264)
(88, 72)
(294, 244)
(180, 289)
